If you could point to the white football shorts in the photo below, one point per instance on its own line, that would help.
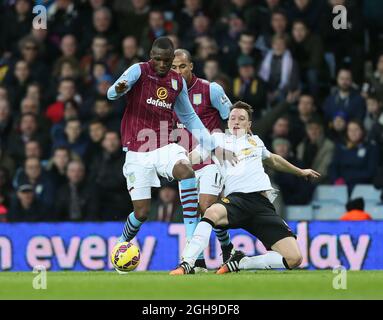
(141, 169)
(209, 180)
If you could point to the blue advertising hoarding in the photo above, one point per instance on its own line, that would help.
(86, 246)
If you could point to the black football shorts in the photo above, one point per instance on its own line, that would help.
(254, 213)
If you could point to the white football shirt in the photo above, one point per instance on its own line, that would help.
(248, 175)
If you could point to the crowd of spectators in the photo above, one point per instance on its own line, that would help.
(317, 94)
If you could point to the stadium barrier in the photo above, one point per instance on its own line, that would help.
(85, 246)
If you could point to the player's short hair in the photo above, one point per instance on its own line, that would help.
(163, 43)
(185, 52)
(244, 106)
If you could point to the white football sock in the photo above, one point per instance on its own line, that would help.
(270, 260)
(198, 243)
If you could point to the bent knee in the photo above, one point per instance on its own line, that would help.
(183, 170)
(294, 261)
(215, 215)
(211, 214)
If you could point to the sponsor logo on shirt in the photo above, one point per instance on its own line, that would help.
(247, 151)
(162, 93)
(159, 103)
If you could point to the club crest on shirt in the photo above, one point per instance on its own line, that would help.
(174, 84)
(225, 200)
(162, 93)
(252, 141)
(246, 151)
(132, 177)
(197, 98)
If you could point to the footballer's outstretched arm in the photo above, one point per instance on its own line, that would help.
(280, 164)
(125, 82)
(199, 154)
(219, 100)
(185, 112)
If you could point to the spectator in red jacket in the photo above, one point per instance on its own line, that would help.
(66, 92)
(355, 211)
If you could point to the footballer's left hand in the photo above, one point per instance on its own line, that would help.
(309, 173)
(223, 154)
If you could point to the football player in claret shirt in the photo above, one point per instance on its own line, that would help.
(247, 202)
(212, 106)
(152, 92)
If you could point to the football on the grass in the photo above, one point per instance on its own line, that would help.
(125, 256)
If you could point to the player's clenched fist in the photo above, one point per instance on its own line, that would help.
(121, 86)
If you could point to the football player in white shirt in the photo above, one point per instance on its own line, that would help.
(246, 201)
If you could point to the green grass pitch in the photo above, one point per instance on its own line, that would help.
(301, 284)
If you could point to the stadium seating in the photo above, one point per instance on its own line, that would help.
(329, 212)
(297, 213)
(369, 193)
(375, 211)
(329, 201)
(329, 194)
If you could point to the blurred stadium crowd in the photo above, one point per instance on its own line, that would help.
(317, 93)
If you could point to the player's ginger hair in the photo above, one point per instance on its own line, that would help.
(244, 106)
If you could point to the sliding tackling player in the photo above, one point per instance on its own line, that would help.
(246, 204)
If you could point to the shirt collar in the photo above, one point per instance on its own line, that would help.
(192, 81)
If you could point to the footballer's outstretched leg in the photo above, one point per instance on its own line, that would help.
(195, 247)
(285, 255)
(205, 201)
(215, 214)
